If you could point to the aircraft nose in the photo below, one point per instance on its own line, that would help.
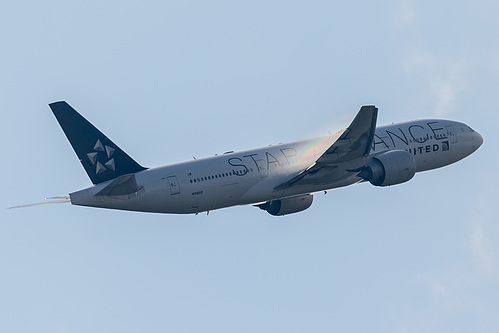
(477, 140)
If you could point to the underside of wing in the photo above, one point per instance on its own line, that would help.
(354, 143)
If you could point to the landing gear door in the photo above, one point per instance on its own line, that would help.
(174, 186)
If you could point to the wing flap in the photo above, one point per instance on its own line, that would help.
(353, 143)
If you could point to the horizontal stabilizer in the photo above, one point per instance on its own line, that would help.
(124, 185)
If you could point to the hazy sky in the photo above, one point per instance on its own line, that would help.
(170, 80)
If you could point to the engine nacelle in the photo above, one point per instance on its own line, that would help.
(390, 168)
(288, 205)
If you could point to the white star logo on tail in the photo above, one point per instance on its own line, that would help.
(93, 158)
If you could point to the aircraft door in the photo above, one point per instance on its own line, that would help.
(262, 168)
(174, 186)
(451, 134)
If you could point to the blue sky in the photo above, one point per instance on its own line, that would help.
(171, 80)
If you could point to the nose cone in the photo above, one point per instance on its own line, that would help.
(477, 140)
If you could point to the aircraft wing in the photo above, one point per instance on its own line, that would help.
(353, 143)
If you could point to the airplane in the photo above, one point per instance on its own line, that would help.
(279, 179)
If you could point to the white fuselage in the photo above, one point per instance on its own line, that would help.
(250, 177)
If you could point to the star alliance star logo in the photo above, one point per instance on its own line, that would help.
(93, 157)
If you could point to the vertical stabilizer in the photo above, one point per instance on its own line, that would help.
(101, 158)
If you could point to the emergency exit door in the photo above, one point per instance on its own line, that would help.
(174, 186)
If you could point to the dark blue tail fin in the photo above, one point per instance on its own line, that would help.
(101, 158)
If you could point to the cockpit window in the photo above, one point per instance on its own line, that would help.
(471, 130)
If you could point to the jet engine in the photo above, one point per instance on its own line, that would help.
(288, 205)
(389, 168)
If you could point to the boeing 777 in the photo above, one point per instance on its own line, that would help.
(280, 179)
